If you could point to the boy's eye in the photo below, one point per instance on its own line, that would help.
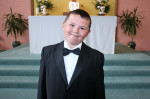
(72, 25)
(82, 28)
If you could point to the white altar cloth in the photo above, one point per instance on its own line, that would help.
(47, 30)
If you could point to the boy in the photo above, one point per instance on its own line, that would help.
(71, 69)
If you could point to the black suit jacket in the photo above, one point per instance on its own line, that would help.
(87, 81)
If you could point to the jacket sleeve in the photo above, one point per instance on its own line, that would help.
(100, 87)
(42, 79)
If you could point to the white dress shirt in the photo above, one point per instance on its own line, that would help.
(70, 61)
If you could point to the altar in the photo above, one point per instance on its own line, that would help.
(47, 30)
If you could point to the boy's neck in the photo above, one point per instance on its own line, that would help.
(73, 46)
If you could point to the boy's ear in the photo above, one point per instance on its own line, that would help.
(63, 25)
(89, 32)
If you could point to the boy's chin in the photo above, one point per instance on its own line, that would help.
(73, 43)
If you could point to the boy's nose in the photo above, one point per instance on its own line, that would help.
(76, 30)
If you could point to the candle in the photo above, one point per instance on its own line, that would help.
(37, 11)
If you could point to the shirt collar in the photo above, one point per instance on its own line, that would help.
(67, 46)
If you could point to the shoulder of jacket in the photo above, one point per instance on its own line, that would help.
(50, 48)
(94, 52)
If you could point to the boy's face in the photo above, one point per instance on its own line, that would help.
(75, 29)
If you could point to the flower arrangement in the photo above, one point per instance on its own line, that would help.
(102, 5)
(44, 4)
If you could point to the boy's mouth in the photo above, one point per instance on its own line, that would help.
(75, 35)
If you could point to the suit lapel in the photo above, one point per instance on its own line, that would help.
(60, 61)
(83, 58)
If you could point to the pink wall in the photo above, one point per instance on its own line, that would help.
(20, 6)
(143, 34)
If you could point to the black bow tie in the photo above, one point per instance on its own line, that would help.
(67, 51)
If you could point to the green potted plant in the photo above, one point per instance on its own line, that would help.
(15, 25)
(130, 21)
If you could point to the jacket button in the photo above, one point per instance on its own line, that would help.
(67, 93)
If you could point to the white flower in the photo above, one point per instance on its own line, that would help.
(42, 7)
(102, 8)
(98, 7)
